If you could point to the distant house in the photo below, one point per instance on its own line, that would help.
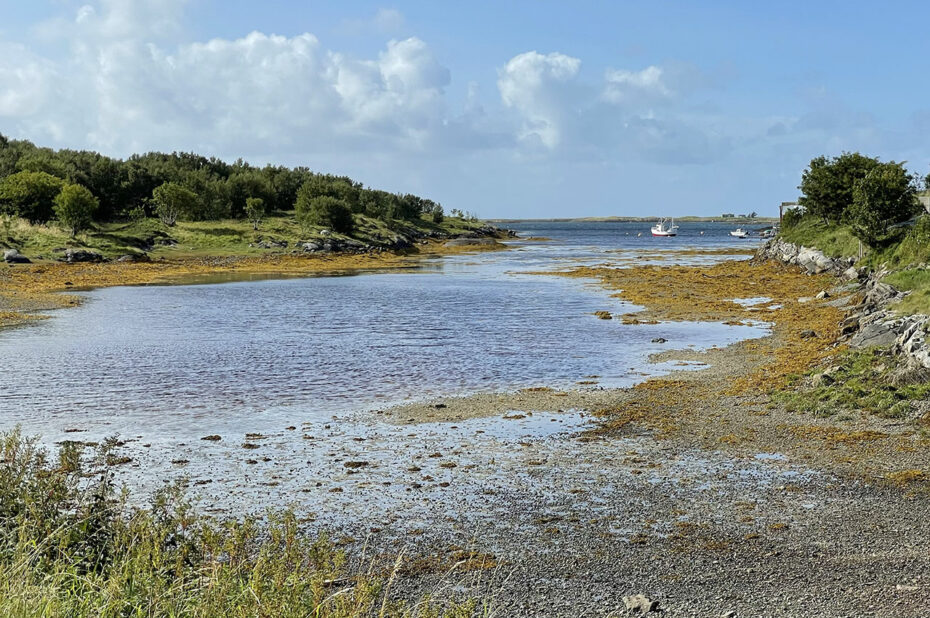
(785, 206)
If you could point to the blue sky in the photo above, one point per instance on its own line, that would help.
(516, 109)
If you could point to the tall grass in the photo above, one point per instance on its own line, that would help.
(833, 240)
(70, 545)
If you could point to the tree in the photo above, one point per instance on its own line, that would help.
(884, 196)
(255, 211)
(827, 184)
(172, 200)
(75, 207)
(30, 195)
(323, 210)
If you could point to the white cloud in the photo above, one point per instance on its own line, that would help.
(122, 90)
(622, 86)
(539, 87)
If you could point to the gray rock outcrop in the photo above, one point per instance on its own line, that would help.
(811, 260)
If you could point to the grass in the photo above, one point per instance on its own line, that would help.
(201, 238)
(860, 381)
(833, 240)
(70, 545)
(906, 251)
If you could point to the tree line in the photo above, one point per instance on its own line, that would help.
(863, 192)
(77, 187)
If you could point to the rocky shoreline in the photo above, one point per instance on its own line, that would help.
(873, 321)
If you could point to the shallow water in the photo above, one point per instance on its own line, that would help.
(195, 359)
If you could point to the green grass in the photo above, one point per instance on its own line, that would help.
(915, 281)
(833, 240)
(187, 238)
(71, 546)
(862, 381)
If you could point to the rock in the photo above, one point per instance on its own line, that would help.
(805, 299)
(603, 315)
(72, 256)
(325, 232)
(822, 379)
(640, 603)
(659, 340)
(878, 293)
(311, 247)
(134, 257)
(212, 438)
(808, 334)
(822, 295)
(851, 273)
(12, 256)
(880, 334)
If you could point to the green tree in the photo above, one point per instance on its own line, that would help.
(884, 196)
(827, 184)
(323, 210)
(30, 195)
(172, 201)
(75, 207)
(255, 211)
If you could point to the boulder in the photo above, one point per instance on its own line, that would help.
(12, 256)
(134, 257)
(81, 255)
(822, 295)
(851, 274)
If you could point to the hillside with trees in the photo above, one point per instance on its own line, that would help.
(83, 198)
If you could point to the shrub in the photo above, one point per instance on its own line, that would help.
(323, 210)
(791, 217)
(30, 195)
(75, 207)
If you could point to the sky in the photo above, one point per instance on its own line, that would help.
(515, 109)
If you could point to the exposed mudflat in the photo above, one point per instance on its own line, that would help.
(691, 488)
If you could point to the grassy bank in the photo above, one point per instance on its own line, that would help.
(230, 237)
(905, 252)
(71, 546)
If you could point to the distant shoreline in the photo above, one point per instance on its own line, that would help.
(688, 219)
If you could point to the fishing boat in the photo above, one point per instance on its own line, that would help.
(740, 233)
(665, 227)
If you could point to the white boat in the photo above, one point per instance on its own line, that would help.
(740, 233)
(665, 227)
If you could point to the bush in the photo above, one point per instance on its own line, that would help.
(791, 218)
(70, 546)
(30, 195)
(323, 210)
(75, 207)
(827, 184)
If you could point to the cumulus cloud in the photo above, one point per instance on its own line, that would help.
(128, 84)
(123, 89)
(540, 88)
